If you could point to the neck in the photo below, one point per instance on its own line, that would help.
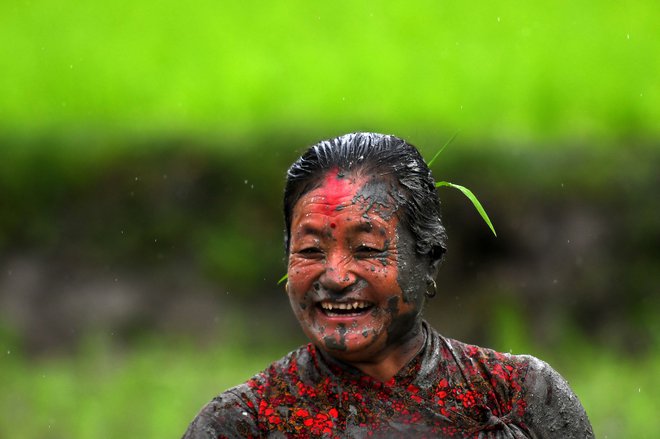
(392, 360)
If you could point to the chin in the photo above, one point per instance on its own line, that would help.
(352, 348)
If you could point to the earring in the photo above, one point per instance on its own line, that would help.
(434, 289)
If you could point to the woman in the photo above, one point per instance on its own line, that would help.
(364, 241)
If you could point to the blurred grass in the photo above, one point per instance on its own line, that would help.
(151, 390)
(507, 71)
(155, 388)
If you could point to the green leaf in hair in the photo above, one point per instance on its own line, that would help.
(468, 193)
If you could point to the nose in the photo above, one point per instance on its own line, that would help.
(338, 275)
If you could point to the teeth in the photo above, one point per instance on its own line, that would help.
(357, 304)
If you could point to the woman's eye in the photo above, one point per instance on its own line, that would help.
(310, 252)
(366, 251)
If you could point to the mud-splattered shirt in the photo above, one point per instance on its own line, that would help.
(450, 389)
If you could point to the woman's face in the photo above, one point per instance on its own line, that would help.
(355, 284)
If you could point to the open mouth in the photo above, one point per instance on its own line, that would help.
(350, 308)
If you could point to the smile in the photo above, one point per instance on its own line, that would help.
(344, 308)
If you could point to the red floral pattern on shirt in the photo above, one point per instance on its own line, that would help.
(450, 389)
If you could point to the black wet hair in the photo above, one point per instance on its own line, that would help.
(385, 155)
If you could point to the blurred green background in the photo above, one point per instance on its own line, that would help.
(143, 148)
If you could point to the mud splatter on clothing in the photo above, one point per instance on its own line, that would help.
(449, 390)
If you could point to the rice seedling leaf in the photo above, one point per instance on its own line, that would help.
(468, 193)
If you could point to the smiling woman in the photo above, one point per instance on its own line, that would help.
(348, 258)
(364, 241)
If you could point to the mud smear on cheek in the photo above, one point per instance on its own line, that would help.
(305, 301)
(393, 305)
(393, 311)
(336, 345)
(411, 273)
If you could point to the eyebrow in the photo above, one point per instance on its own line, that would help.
(361, 226)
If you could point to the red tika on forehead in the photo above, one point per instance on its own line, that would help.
(335, 188)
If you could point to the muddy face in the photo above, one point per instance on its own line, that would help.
(356, 284)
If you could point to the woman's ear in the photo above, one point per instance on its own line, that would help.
(434, 266)
(431, 273)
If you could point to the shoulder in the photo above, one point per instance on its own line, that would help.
(230, 414)
(539, 396)
(553, 409)
(236, 411)
(488, 362)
